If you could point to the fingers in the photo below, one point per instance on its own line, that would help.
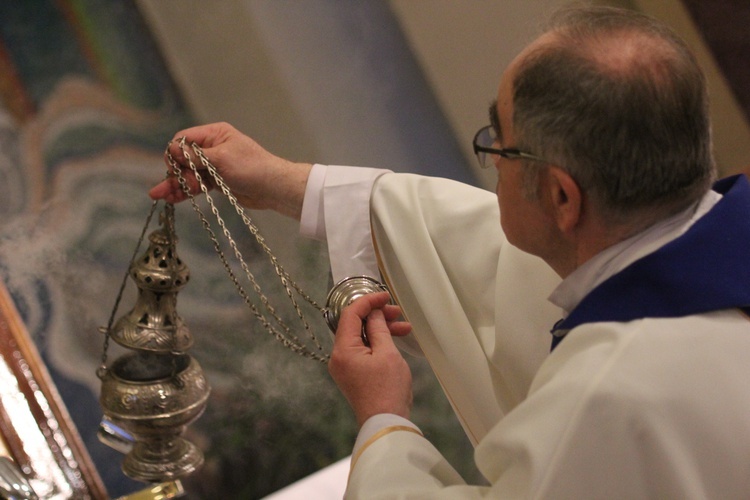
(180, 155)
(207, 136)
(171, 191)
(374, 379)
(398, 328)
(349, 331)
(380, 319)
(391, 312)
(378, 333)
(364, 305)
(166, 191)
(256, 178)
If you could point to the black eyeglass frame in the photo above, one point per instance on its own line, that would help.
(509, 153)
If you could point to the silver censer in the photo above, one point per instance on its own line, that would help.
(156, 390)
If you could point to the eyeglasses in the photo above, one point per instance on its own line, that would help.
(483, 148)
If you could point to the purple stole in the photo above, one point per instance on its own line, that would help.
(706, 269)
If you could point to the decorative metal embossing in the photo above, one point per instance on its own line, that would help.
(156, 391)
(153, 323)
(165, 405)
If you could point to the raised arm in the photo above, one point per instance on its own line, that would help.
(259, 179)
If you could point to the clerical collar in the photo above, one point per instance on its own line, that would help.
(703, 269)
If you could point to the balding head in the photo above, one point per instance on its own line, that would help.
(619, 101)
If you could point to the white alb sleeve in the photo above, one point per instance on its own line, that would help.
(336, 209)
(312, 224)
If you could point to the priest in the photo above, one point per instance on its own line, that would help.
(610, 236)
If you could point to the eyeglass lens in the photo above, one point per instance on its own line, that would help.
(486, 139)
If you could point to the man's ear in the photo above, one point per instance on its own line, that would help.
(565, 198)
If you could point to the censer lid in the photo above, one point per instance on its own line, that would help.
(160, 268)
(153, 323)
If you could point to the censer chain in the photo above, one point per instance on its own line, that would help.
(103, 366)
(286, 337)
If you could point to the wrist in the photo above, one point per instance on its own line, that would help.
(289, 188)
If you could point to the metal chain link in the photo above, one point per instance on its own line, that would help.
(168, 222)
(102, 370)
(286, 337)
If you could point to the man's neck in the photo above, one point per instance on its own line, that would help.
(615, 257)
(595, 235)
(587, 242)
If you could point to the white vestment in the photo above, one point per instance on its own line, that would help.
(477, 304)
(618, 410)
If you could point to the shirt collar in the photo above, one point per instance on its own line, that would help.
(614, 259)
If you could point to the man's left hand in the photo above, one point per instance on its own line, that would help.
(376, 378)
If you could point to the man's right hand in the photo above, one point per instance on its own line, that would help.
(257, 178)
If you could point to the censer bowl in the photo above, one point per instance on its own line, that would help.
(154, 397)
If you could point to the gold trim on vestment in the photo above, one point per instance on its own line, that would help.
(384, 275)
(378, 435)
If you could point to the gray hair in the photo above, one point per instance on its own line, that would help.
(619, 101)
